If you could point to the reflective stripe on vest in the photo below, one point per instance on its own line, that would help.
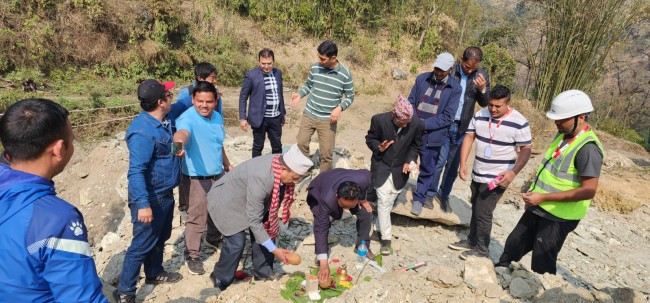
(561, 175)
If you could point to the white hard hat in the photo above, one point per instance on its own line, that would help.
(569, 104)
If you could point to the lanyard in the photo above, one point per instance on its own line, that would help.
(564, 145)
(498, 124)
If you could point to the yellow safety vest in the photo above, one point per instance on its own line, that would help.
(560, 174)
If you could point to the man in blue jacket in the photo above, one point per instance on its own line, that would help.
(475, 85)
(153, 174)
(435, 97)
(43, 239)
(266, 107)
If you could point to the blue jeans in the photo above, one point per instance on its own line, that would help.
(449, 159)
(428, 159)
(148, 244)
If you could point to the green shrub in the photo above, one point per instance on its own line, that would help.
(617, 129)
(501, 67)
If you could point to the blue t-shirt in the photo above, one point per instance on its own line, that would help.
(203, 150)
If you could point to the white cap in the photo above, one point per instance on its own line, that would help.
(297, 161)
(444, 61)
(569, 104)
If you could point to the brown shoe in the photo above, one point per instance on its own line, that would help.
(370, 255)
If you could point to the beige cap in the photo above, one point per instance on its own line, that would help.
(296, 161)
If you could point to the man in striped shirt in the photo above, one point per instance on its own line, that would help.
(330, 90)
(498, 131)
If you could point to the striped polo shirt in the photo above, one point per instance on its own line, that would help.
(327, 88)
(501, 143)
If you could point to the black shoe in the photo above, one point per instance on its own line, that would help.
(369, 255)
(195, 266)
(472, 252)
(444, 204)
(165, 277)
(122, 298)
(428, 203)
(386, 249)
(461, 245)
(216, 283)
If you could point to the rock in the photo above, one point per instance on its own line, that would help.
(624, 294)
(121, 136)
(602, 297)
(111, 273)
(82, 172)
(399, 74)
(310, 240)
(460, 216)
(519, 288)
(109, 241)
(493, 291)
(479, 271)
(444, 276)
(505, 280)
(84, 197)
(616, 159)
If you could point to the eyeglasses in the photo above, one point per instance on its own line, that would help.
(168, 95)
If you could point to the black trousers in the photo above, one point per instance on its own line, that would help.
(483, 201)
(272, 127)
(231, 253)
(364, 224)
(544, 237)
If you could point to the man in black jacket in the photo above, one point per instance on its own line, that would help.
(475, 84)
(395, 140)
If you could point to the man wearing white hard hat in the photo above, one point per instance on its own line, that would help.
(248, 198)
(563, 186)
(435, 98)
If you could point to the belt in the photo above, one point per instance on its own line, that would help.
(457, 121)
(215, 177)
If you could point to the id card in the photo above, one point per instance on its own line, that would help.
(487, 153)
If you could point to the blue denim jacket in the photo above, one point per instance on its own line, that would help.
(153, 170)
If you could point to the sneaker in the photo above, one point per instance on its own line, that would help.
(122, 298)
(444, 204)
(369, 255)
(472, 252)
(195, 266)
(214, 244)
(416, 208)
(386, 249)
(461, 245)
(428, 203)
(165, 277)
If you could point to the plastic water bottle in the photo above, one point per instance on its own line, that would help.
(362, 252)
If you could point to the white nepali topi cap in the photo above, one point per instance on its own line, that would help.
(444, 61)
(297, 161)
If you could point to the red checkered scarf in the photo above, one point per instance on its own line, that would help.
(271, 225)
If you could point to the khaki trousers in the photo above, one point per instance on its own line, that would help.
(326, 139)
(195, 193)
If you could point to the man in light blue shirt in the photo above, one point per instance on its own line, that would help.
(201, 131)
